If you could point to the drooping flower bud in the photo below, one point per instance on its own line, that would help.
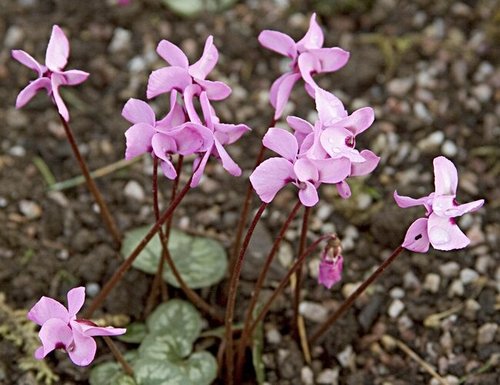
(330, 267)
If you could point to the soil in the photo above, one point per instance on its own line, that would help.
(429, 68)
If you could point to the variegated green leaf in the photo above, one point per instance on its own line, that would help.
(149, 371)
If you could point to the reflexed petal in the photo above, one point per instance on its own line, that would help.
(416, 238)
(300, 125)
(344, 189)
(172, 54)
(28, 92)
(308, 64)
(330, 59)
(359, 120)
(404, 201)
(278, 42)
(199, 168)
(366, 167)
(74, 77)
(138, 111)
(330, 108)
(167, 79)
(444, 234)
(207, 110)
(281, 142)
(216, 90)
(207, 62)
(192, 137)
(190, 92)
(175, 116)
(308, 195)
(465, 208)
(305, 170)
(313, 37)
(333, 170)
(168, 169)
(61, 107)
(54, 333)
(47, 308)
(26, 59)
(280, 92)
(227, 162)
(230, 132)
(57, 53)
(83, 350)
(93, 331)
(270, 176)
(76, 299)
(163, 145)
(445, 176)
(138, 140)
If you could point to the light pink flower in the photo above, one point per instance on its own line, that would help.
(62, 330)
(438, 228)
(305, 173)
(307, 58)
(51, 75)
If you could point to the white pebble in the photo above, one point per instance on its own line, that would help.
(395, 309)
(313, 311)
(307, 376)
(346, 357)
(30, 209)
(134, 190)
(449, 148)
(468, 276)
(449, 269)
(432, 282)
(120, 41)
(486, 333)
(456, 289)
(329, 377)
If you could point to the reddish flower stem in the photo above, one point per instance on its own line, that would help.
(233, 285)
(103, 208)
(118, 356)
(117, 276)
(350, 300)
(258, 286)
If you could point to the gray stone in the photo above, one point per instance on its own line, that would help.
(30, 209)
(432, 282)
(329, 377)
(449, 269)
(486, 333)
(134, 190)
(468, 276)
(313, 311)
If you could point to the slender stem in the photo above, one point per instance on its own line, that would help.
(233, 284)
(258, 286)
(246, 205)
(118, 356)
(103, 208)
(350, 300)
(284, 282)
(302, 246)
(117, 276)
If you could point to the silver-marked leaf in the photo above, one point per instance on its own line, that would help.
(166, 347)
(201, 261)
(136, 332)
(109, 373)
(191, 8)
(148, 371)
(200, 368)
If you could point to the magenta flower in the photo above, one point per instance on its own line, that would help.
(62, 330)
(439, 227)
(305, 173)
(307, 58)
(51, 75)
(331, 264)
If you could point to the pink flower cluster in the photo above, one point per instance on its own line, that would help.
(321, 153)
(183, 131)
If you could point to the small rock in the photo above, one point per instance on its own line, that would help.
(468, 276)
(349, 288)
(483, 92)
(273, 336)
(456, 289)
(329, 377)
(120, 41)
(449, 148)
(324, 211)
(63, 255)
(285, 254)
(422, 112)
(449, 269)
(431, 142)
(432, 282)
(483, 263)
(30, 209)
(347, 357)
(13, 37)
(313, 267)
(313, 311)
(471, 308)
(486, 333)
(134, 190)
(395, 309)
(92, 289)
(400, 87)
(17, 151)
(3, 202)
(411, 281)
(397, 293)
(307, 376)
(364, 201)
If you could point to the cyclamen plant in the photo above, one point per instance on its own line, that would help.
(322, 152)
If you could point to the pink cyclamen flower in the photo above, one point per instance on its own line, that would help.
(51, 75)
(308, 57)
(305, 173)
(438, 228)
(62, 330)
(331, 264)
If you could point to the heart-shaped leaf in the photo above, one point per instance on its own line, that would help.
(177, 318)
(166, 347)
(191, 8)
(109, 373)
(148, 371)
(136, 332)
(200, 368)
(201, 261)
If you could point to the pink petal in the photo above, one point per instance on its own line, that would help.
(334, 140)
(216, 90)
(270, 176)
(26, 59)
(330, 272)
(47, 308)
(189, 93)
(168, 169)
(278, 42)
(281, 142)
(138, 140)
(308, 195)
(54, 333)
(333, 170)
(330, 59)
(57, 53)
(199, 168)
(465, 208)
(207, 110)
(207, 62)
(76, 299)
(227, 162)
(167, 79)
(281, 90)
(90, 330)
(138, 111)
(84, 349)
(231, 132)
(366, 167)
(343, 189)
(308, 64)
(61, 107)
(74, 77)
(445, 176)
(163, 146)
(444, 234)
(172, 54)
(192, 138)
(404, 201)
(330, 108)
(416, 238)
(305, 170)
(175, 116)
(359, 120)
(28, 92)
(300, 125)
(313, 37)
